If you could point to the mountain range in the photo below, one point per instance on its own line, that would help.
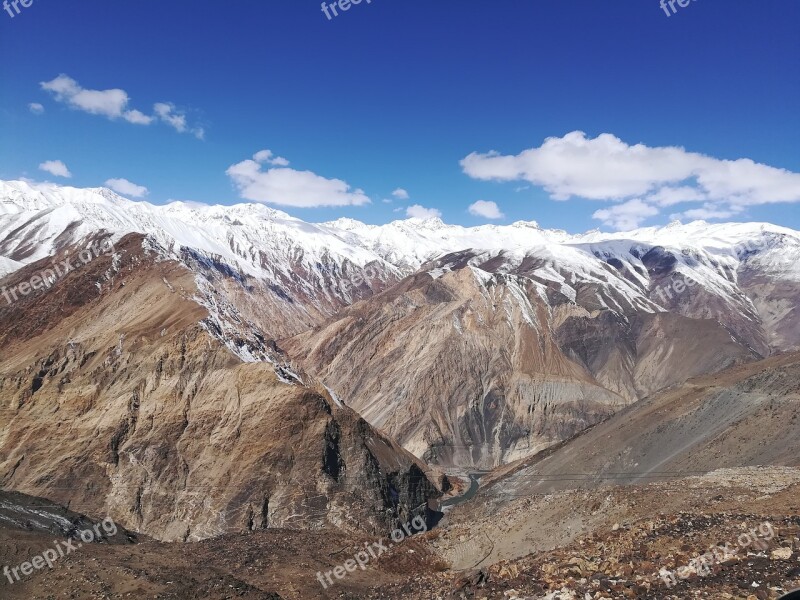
(484, 344)
(463, 349)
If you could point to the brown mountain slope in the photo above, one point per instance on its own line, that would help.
(721, 443)
(116, 400)
(472, 368)
(745, 416)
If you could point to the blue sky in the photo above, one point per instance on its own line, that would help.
(396, 94)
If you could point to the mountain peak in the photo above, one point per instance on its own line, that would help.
(427, 222)
(250, 236)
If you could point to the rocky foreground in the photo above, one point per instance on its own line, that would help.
(616, 542)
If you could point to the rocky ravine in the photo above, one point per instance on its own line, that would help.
(607, 543)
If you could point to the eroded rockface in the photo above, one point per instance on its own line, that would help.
(460, 371)
(126, 405)
(472, 366)
(745, 416)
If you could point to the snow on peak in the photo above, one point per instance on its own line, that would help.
(347, 224)
(426, 223)
(250, 235)
(529, 224)
(245, 236)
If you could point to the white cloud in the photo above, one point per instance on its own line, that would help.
(169, 114)
(420, 212)
(55, 167)
(400, 194)
(266, 156)
(127, 188)
(165, 112)
(137, 117)
(626, 216)
(707, 212)
(289, 187)
(486, 209)
(668, 196)
(36, 108)
(108, 103)
(606, 168)
(114, 104)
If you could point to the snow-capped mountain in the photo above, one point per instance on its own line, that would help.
(246, 247)
(330, 265)
(514, 338)
(471, 346)
(35, 219)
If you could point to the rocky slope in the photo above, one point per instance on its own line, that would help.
(118, 398)
(745, 416)
(721, 443)
(605, 543)
(38, 516)
(624, 541)
(475, 361)
(278, 271)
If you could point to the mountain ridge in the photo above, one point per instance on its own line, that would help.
(35, 197)
(548, 332)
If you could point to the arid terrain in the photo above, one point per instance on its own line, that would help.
(610, 542)
(538, 419)
(558, 526)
